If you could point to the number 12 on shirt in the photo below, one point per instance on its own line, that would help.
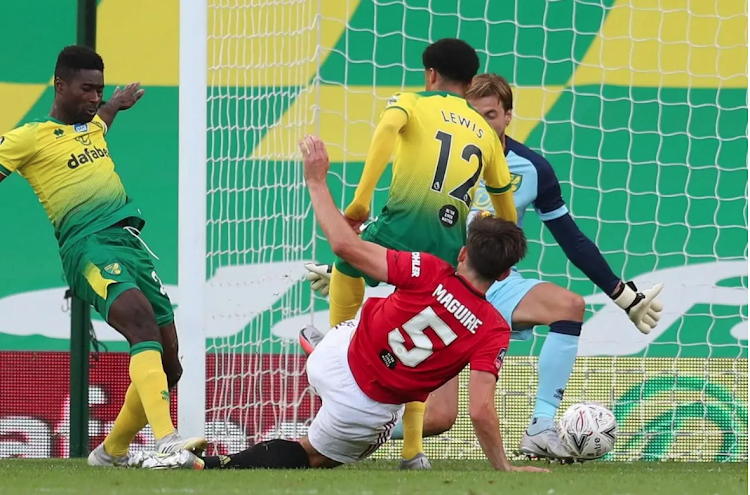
(461, 193)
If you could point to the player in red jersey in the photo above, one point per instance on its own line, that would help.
(405, 345)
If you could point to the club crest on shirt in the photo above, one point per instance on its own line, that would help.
(113, 269)
(84, 140)
(500, 358)
(81, 127)
(515, 181)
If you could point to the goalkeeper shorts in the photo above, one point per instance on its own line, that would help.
(103, 265)
(505, 296)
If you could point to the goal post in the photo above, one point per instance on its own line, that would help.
(641, 110)
(191, 273)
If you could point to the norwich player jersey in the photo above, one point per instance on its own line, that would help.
(72, 174)
(441, 153)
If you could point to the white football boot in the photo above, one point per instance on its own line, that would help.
(419, 461)
(181, 459)
(174, 443)
(545, 444)
(99, 458)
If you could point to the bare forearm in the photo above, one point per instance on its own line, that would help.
(108, 111)
(487, 428)
(334, 227)
(367, 257)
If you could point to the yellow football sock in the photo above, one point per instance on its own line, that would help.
(413, 423)
(129, 422)
(147, 374)
(345, 297)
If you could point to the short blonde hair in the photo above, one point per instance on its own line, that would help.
(492, 85)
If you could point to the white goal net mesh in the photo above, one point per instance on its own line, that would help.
(640, 106)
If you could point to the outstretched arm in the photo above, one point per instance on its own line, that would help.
(122, 99)
(381, 148)
(483, 415)
(642, 307)
(583, 253)
(367, 257)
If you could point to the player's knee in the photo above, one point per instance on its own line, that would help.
(144, 324)
(438, 420)
(571, 307)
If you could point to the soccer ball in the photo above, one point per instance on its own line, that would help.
(588, 430)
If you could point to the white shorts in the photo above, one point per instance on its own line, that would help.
(349, 425)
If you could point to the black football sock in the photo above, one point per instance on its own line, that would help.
(273, 454)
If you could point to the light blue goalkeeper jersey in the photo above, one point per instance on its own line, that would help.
(533, 182)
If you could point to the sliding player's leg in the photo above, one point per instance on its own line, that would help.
(348, 427)
(271, 454)
(527, 303)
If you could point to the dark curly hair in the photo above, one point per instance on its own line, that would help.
(453, 59)
(74, 58)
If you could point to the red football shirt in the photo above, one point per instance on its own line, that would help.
(435, 323)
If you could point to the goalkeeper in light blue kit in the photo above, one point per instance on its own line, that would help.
(526, 302)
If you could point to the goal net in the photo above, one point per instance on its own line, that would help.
(640, 106)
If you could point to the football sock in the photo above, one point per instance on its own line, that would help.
(147, 374)
(555, 366)
(345, 297)
(273, 454)
(129, 422)
(398, 431)
(539, 425)
(413, 423)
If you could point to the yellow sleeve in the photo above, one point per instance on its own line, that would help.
(498, 184)
(99, 122)
(504, 206)
(395, 116)
(16, 147)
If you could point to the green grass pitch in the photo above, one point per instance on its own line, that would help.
(24, 476)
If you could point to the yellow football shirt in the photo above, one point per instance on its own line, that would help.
(441, 153)
(71, 171)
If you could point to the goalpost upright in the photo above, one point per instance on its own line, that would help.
(191, 270)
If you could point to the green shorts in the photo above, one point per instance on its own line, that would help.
(373, 234)
(104, 265)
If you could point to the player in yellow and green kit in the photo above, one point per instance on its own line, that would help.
(442, 148)
(65, 158)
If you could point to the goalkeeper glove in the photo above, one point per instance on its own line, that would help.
(643, 308)
(319, 277)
